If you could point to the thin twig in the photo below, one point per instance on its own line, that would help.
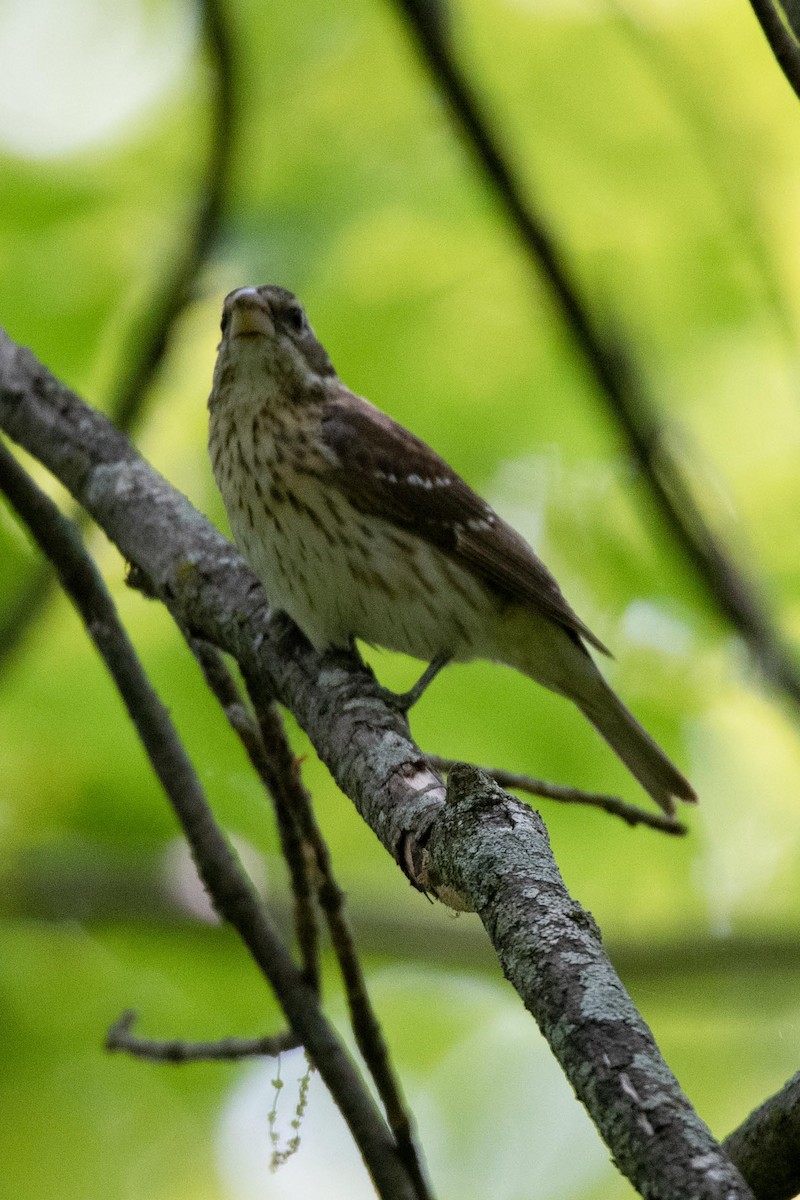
(271, 755)
(783, 43)
(569, 795)
(619, 383)
(128, 402)
(363, 1018)
(228, 886)
(230, 1049)
(295, 850)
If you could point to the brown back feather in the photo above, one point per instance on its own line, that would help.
(387, 472)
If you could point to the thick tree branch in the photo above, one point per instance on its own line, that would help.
(619, 383)
(231, 891)
(485, 851)
(493, 852)
(766, 1147)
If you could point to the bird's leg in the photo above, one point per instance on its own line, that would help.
(403, 701)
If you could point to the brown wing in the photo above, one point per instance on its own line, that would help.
(385, 471)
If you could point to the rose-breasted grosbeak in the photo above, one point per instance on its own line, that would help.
(357, 529)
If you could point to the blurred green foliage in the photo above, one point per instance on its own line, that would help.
(664, 146)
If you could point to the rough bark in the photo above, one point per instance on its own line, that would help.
(483, 851)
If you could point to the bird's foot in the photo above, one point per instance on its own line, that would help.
(403, 701)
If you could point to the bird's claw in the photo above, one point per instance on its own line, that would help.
(404, 701)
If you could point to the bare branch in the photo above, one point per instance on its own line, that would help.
(569, 795)
(492, 852)
(782, 40)
(295, 851)
(619, 383)
(228, 886)
(766, 1147)
(363, 1018)
(484, 850)
(231, 1049)
(271, 755)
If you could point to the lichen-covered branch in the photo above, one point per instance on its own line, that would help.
(493, 853)
(484, 851)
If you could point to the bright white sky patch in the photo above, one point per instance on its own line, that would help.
(495, 1114)
(73, 73)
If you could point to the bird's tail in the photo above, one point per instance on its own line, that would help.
(633, 744)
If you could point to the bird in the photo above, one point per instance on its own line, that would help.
(357, 529)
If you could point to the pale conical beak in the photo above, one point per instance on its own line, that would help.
(250, 315)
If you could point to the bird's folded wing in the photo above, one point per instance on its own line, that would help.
(385, 471)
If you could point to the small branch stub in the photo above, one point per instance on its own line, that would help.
(122, 1039)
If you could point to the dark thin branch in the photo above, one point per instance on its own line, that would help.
(783, 43)
(502, 869)
(629, 813)
(295, 850)
(230, 1049)
(129, 400)
(228, 886)
(363, 1018)
(734, 594)
(766, 1147)
(302, 842)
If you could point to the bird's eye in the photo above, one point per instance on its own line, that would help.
(226, 316)
(295, 318)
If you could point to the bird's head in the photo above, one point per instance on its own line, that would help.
(266, 334)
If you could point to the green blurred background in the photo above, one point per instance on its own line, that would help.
(664, 145)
